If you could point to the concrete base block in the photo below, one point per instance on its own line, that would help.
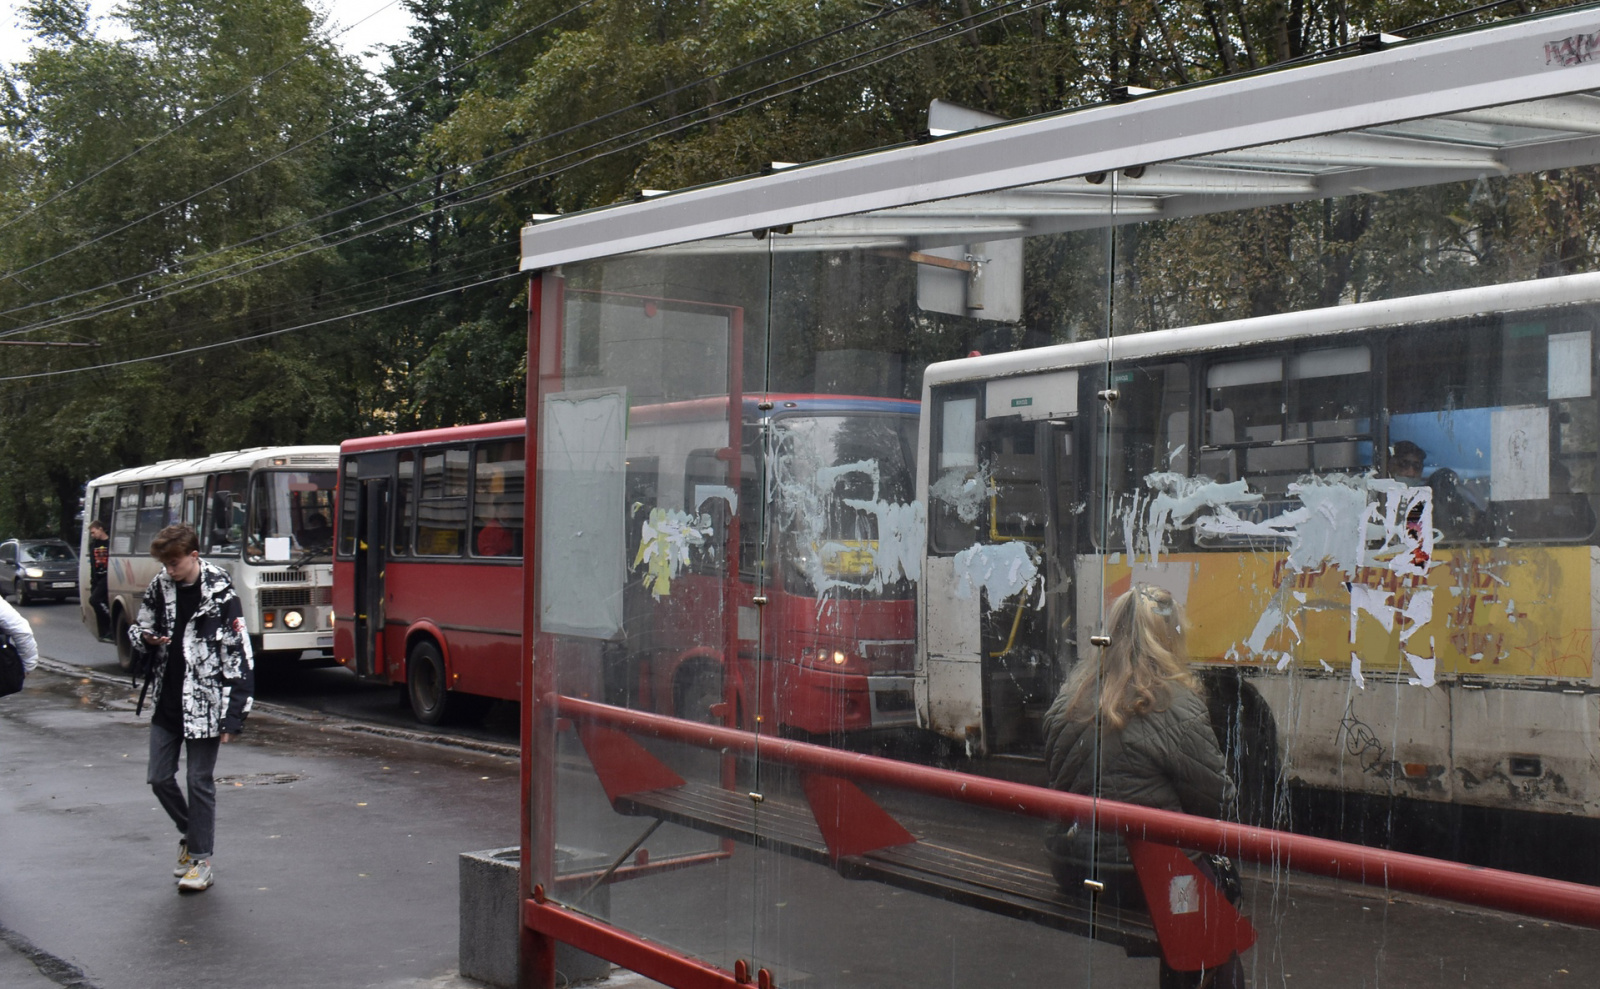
(490, 921)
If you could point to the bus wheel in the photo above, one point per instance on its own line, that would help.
(1249, 741)
(698, 688)
(124, 647)
(430, 700)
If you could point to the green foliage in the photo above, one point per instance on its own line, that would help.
(194, 122)
(222, 175)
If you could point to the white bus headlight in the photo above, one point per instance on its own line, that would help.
(292, 619)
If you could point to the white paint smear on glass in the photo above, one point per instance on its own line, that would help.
(1001, 570)
(665, 538)
(705, 492)
(964, 492)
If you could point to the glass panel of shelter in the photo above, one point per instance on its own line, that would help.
(649, 487)
(1345, 700)
(1372, 524)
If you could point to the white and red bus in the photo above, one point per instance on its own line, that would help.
(816, 549)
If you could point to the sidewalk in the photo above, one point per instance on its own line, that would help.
(336, 853)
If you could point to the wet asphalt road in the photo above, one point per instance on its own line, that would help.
(337, 850)
(337, 866)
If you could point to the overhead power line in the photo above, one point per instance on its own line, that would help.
(235, 341)
(387, 194)
(274, 157)
(407, 210)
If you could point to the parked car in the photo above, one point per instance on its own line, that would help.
(36, 569)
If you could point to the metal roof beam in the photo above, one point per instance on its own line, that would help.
(1433, 77)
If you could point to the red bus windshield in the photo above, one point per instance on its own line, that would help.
(843, 496)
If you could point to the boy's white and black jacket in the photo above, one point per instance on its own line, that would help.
(219, 681)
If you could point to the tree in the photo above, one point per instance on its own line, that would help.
(161, 185)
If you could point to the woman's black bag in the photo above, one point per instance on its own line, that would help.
(11, 672)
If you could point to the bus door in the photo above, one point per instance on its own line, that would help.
(998, 583)
(372, 525)
(1017, 640)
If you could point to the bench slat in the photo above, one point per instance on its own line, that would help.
(953, 874)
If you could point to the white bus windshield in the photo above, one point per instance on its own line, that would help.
(290, 517)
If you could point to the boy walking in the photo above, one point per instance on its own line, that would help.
(203, 675)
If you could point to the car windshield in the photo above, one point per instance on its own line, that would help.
(289, 515)
(49, 553)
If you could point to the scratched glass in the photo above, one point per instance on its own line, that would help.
(1320, 415)
(649, 487)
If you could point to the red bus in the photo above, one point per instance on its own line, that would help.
(817, 550)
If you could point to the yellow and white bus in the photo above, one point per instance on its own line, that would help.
(1379, 518)
(265, 515)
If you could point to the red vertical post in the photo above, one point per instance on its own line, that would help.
(536, 952)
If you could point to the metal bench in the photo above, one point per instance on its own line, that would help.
(924, 866)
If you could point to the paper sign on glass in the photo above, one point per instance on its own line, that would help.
(1569, 365)
(1519, 458)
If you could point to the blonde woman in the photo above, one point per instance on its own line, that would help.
(1131, 725)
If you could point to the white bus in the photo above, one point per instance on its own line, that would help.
(265, 515)
(1379, 517)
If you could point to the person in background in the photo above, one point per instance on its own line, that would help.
(99, 564)
(1405, 463)
(203, 673)
(20, 632)
(1132, 726)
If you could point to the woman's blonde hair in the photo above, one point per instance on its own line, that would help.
(1136, 671)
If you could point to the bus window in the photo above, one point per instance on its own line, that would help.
(350, 499)
(1148, 433)
(442, 502)
(1498, 415)
(1284, 417)
(405, 506)
(175, 501)
(125, 521)
(225, 512)
(833, 476)
(1009, 448)
(705, 494)
(957, 484)
(152, 514)
(642, 480)
(193, 503)
(104, 508)
(497, 499)
(293, 507)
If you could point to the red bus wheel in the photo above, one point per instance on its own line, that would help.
(699, 687)
(430, 700)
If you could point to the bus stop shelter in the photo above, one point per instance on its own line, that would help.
(800, 591)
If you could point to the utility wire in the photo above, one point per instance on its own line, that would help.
(183, 262)
(769, 97)
(271, 158)
(235, 341)
(212, 276)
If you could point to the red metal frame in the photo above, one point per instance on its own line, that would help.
(637, 954)
(1548, 899)
(536, 949)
